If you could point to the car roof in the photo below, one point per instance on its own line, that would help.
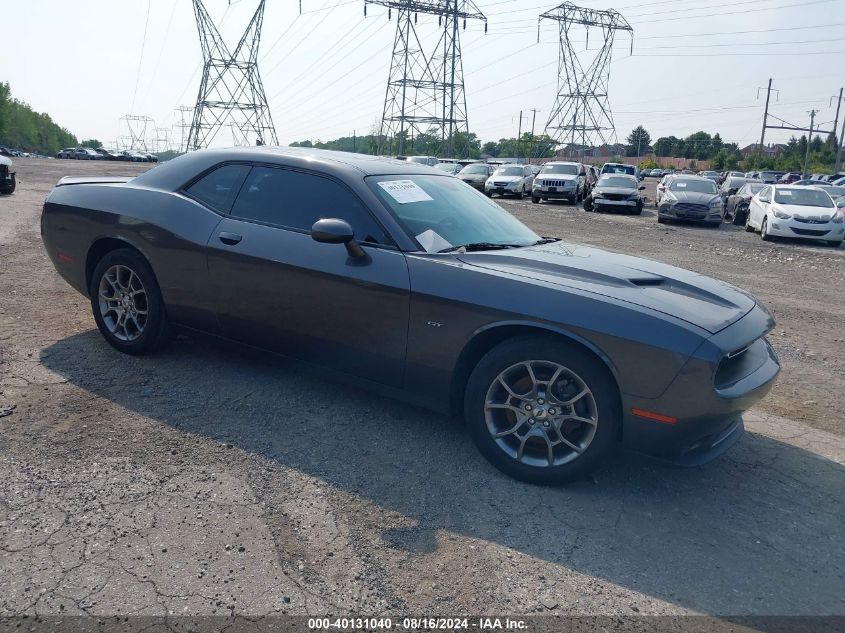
(174, 173)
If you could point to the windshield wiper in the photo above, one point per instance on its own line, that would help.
(479, 246)
(545, 240)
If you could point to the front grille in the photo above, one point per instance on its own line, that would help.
(501, 184)
(809, 233)
(555, 183)
(810, 221)
(614, 196)
(691, 208)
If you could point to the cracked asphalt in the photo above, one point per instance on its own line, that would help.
(208, 480)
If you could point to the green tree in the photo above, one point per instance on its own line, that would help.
(638, 141)
(23, 128)
(91, 142)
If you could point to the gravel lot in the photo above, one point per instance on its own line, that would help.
(210, 481)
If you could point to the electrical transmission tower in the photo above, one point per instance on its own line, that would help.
(231, 90)
(141, 132)
(581, 114)
(425, 104)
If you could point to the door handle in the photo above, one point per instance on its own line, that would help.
(230, 238)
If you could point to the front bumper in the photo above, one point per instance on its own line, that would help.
(615, 205)
(670, 212)
(703, 406)
(476, 184)
(555, 193)
(805, 230)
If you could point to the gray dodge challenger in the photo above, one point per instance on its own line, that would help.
(400, 278)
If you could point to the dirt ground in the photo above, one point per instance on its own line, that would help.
(209, 481)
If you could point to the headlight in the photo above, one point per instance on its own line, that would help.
(634, 196)
(782, 215)
(837, 218)
(716, 204)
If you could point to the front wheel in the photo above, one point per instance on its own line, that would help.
(834, 243)
(535, 199)
(542, 410)
(764, 230)
(127, 303)
(521, 193)
(9, 188)
(748, 226)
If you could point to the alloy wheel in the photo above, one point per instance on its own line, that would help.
(123, 303)
(541, 413)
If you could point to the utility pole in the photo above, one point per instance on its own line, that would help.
(533, 121)
(765, 118)
(839, 143)
(519, 137)
(354, 141)
(809, 140)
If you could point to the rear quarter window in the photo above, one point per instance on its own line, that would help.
(218, 188)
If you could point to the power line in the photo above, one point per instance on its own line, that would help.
(141, 59)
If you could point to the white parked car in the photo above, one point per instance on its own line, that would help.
(797, 212)
(515, 180)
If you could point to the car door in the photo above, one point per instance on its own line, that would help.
(279, 289)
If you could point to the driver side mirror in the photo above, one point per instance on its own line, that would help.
(583, 173)
(336, 231)
(642, 188)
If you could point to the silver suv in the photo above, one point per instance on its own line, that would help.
(560, 181)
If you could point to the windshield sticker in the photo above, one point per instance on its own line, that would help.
(681, 185)
(431, 241)
(405, 191)
(785, 193)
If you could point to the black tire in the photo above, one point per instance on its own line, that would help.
(834, 243)
(156, 331)
(535, 199)
(764, 225)
(738, 217)
(638, 210)
(521, 194)
(489, 194)
(593, 374)
(661, 220)
(9, 189)
(714, 225)
(748, 226)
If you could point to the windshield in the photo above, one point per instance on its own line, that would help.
(803, 197)
(754, 187)
(695, 186)
(623, 182)
(449, 168)
(442, 212)
(770, 174)
(418, 159)
(571, 170)
(509, 171)
(618, 169)
(474, 169)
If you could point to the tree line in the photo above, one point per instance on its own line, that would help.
(23, 128)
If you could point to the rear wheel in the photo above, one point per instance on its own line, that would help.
(542, 410)
(127, 303)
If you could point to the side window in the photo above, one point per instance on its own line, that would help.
(297, 200)
(219, 188)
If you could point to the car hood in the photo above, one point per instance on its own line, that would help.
(506, 178)
(702, 301)
(693, 196)
(473, 177)
(615, 190)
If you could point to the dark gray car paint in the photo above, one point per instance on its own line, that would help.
(409, 322)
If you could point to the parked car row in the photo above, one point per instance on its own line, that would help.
(90, 153)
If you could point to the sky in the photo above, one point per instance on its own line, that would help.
(695, 65)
